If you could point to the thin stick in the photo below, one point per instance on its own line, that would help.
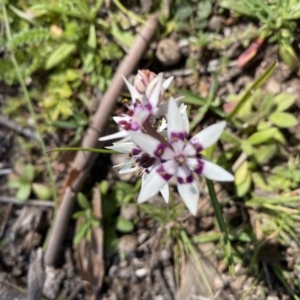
(18, 128)
(12, 200)
(85, 160)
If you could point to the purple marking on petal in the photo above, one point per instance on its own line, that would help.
(188, 179)
(145, 160)
(175, 136)
(124, 124)
(135, 126)
(199, 168)
(160, 150)
(161, 171)
(198, 147)
(129, 112)
(149, 107)
(136, 151)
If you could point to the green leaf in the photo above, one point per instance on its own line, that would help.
(260, 181)
(230, 138)
(284, 101)
(24, 192)
(59, 55)
(124, 225)
(83, 201)
(243, 188)
(79, 214)
(262, 125)
(110, 240)
(14, 183)
(84, 9)
(261, 136)
(191, 98)
(124, 38)
(92, 40)
(41, 191)
(241, 173)
(255, 85)
(279, 137)
(283, 120)
(247, 147)
(29, 173)
(104, 187)
(265, 153)
(81, 232)
(289, 56)
(267, 104)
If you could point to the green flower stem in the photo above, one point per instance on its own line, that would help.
(222, 225)
(83, 149)
(30, 107)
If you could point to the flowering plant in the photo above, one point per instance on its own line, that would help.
(155, 135)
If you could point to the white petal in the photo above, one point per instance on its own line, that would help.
(151, 186)
(122, 118)
(185, 118)
(128, 167)
(167, 82)
(117, 135)
(215, 172)
(165, 192)
(189, 193)
(209, 135)
(162, 109)
(132, 90)
(175, 122)
(154, 96)
(163, 125)
(152, 84)
(140, 116)
(146, 142)
(121, 147)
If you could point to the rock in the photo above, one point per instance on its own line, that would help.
(272, 298)
(165, 255)
(168, 52)
(273, 86)
(215, 23)
(127, 244)
(129, 212)
(140, 273)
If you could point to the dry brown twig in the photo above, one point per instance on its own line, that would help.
(84, 160)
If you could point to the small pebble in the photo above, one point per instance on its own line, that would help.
(127, 244)
(140, 273)
(272, 298)
(165, 255)
(168, 52)
(113, 271)
(215, 23)
(129, 212)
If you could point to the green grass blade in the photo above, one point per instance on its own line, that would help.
(222, 225)
(256, 84)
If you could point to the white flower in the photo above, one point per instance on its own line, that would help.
(139, 161)
(144, 105)
(180, 158)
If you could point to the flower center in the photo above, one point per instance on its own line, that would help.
(180, 159)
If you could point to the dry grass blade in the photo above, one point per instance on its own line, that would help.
(89, 256)
(36, 276)
(83, 160)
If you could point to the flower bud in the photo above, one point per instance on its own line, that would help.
(142, 79)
